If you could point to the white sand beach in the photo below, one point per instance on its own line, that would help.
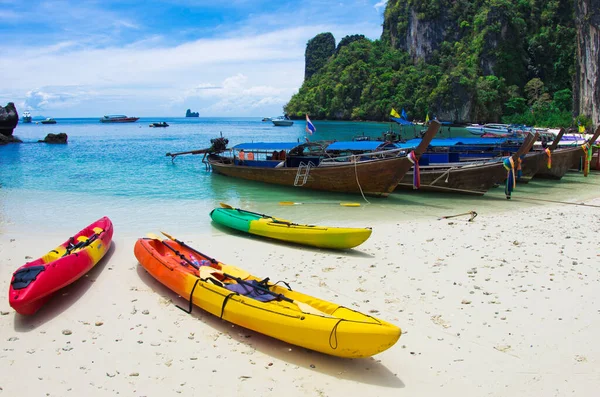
(506, 305)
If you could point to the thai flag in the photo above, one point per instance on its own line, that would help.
(310, 127)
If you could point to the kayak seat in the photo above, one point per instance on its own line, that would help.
(22, 278)
(251, 291)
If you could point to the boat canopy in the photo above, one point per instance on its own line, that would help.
(401, 121)
(267, 146)
(359, 145)
(447, 142)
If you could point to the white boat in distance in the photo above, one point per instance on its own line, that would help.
(491, 128)
(281, 121)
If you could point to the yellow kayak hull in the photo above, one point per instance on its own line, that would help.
(284, 230)
(341, 331)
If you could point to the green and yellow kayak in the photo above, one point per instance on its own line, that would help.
(281, 229)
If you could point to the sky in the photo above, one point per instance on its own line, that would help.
(235, 58)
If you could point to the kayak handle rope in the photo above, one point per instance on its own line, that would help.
(334, 335)
(189, 309)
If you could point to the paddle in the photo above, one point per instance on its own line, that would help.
(213, 260)
(239, 272)
(317, 202)
(81, 244)
(304, 307)
(274, 220)
(179, 254)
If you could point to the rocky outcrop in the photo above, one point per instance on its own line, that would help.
(4, 139)
(9, 118)
(318, 51)
(587, 80)
(55, 138)
(189, 113)
(412, 27)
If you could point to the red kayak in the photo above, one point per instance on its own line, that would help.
(35, 282)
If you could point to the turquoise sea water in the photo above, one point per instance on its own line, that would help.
(121, 170)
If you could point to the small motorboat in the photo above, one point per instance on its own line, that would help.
(282, 121)
(118, 118)
(161, 124)
(35, 282)
(49, 120)
(26, 117)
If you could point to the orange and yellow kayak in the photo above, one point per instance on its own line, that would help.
(235, 295)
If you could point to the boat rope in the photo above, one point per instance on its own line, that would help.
(446, 174)
(558, 202)
(354, 160)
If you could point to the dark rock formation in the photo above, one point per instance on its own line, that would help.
(9, 118)
(55, 138)
(587, 79)
(318, 51)
(4, 139)
(189, 113)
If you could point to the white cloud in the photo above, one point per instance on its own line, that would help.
(380, 5)
(240, 73)
(48, 98)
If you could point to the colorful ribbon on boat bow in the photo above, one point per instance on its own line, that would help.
(549, 154)
(511, 181)
(587, 158)
(519, 169)
(412, 156)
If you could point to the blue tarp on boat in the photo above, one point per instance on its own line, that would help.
(360, 145)
(401, 121)
(448, 142)
(266, 146)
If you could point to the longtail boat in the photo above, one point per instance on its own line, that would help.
(474, 178)
(373, 174)
(538, 159)
(564, 158)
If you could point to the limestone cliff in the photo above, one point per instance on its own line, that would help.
(587, 79)
(318, 51)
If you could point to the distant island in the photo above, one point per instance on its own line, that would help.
(189, 113)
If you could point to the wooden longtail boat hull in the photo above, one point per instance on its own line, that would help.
(532, 163)
(475, 178)
(563, 160)
(377, 177)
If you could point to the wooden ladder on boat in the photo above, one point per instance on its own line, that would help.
(302, 174)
